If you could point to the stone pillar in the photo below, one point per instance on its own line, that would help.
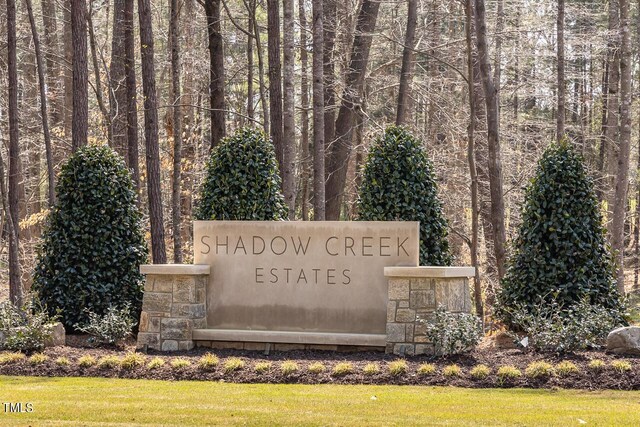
(173, 305)
(415, 293)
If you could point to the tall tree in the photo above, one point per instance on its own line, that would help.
(43, 103)
(15, 285)
(304, 113)
(288, 122)
(80, 121)
(494, 165)
(158, 250)
(622, 171)
(329, 21)
(216, 71)
(338, 156)
(275, 81)
(117, 81)
(177, 132)
(68, 69)
(560, 115)
(406, 74)
(132, 102)
(611, 128)
(318, 113)
(52, 51)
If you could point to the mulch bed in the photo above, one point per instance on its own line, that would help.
(586, 378)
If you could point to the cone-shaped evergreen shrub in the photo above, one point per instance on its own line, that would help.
(242, 181)
(560, 252)
(398, 184)
(92, 245)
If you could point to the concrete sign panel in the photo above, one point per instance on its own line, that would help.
(302, 276)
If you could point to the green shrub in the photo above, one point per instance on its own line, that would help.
(316, 368)
(155, 363)
(397, 367)
(452, 333)
(233, 364)
(371, 369)
(549, 327)
(92, 245)
(566, 368)
(108, 362)
(208, 362)
(452, 371)
(539, 370)
(38, 359)
(621, 366)
(25, 328)
(426, 369)
(480, 372)
(242, 181)
(289, 368)
(399, 184)
(560, 254)
(111, 328)
(87, 361)
(133, 360)
(341, 369)
(262, 367)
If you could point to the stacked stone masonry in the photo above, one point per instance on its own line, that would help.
(173, 305)
(414, 294)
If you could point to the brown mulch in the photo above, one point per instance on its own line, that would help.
(585, 379)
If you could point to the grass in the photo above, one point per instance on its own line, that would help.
(7, 358)
(111, 402)
(155, 363)
(316, 368)
(87, 361)
(621, 366)
(341, 369)
(262, 367)
(566, 368)
(597, 365)
(540, 369)
(63, 361)
(452, 371)
(233, 364)
(508, 372)
(108, 362)
(133, 360)
(208, 362)
(289, 367)
(397, 367)
(38, 359)
(179, 363)
(480, 372)
(426, 369)
(371, 369)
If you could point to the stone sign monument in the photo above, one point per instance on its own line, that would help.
(301, 276)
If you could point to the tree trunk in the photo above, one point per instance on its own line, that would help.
(622, 173)
(216, 71)
(560, 115)
(494, 164)
(304, 114)
(80, 121)
(15, 285)
(177, 132)
(68, 70)
(117, 80)
(52, 51)
(275, 81)
(613, 102)
(132, 106)
(251, 8)
(329, 19)
(338, 157)
(250, 103)
(406, 74)
(471, 159)
(96, 71)
(43, 105)
(497, 67)
(318, 114)
(288, 122)
(158, 250)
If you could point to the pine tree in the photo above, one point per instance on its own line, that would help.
(398, 184)
(560, 253)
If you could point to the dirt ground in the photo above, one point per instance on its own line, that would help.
(585, 378)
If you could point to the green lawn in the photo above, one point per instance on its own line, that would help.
(100, 401)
